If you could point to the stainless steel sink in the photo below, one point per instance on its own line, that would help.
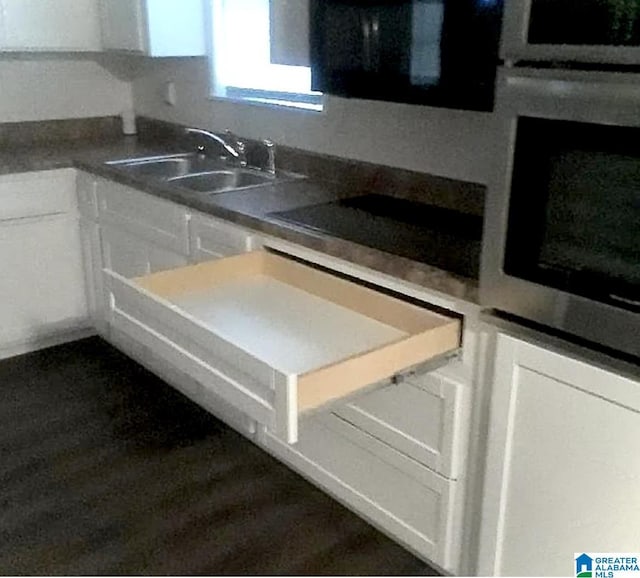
(198, 174)
(222, 180)
(169, 166)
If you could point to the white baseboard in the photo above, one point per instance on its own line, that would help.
(42, 342)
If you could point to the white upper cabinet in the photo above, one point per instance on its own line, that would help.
(49, 25)
(289, 32)
(154, 27)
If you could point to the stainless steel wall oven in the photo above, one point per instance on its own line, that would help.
(562, 226)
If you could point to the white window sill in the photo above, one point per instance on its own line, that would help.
(274, 104)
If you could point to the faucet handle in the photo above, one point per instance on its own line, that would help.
(238, 145)
(271, 156)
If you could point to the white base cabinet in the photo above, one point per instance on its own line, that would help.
(562, 472)
(394, 454)
(416, 506)
(133, 234)
(42, 297)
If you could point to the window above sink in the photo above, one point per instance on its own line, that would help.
(246, 56)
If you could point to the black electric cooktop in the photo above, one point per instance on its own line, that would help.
(440, 237)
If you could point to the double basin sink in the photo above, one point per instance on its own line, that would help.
(197, 173)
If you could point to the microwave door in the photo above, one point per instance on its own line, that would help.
(591, 31)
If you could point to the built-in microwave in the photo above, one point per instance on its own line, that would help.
(600, 31)
(431, 52)
(562, 220)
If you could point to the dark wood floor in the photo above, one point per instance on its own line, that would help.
(104, 469)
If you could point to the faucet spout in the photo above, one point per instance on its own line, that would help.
(218, 139)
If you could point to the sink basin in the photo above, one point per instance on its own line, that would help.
(198, 173)
(222, 180)
(169, 166)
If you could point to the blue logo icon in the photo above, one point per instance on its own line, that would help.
(584, 566)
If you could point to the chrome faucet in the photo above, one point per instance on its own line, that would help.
(237, 150)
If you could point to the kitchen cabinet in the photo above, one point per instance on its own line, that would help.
(49, 25)
(132, 234)
(132, 256)
(395, 455)
(424, 416)
(392, 451)
(416, 506)
(42, 297)
(91, 251)
(154, 27)
(127, 232)
(562, 471)
(211, 238)
(137, 234)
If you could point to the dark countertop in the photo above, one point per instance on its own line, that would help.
(249, 208)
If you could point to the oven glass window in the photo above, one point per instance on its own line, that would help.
(585, 22)
(574, 216)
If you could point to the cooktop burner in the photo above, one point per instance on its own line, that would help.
(440, 237)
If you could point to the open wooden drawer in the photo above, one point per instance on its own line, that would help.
(274, 337)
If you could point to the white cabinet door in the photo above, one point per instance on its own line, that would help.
(41, 286)
(131, 256)
(123, 25)
(50, 25)
(154, 27)
(42, 298)
(562, 472)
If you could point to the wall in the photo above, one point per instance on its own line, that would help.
(42, 88)
(448, 143)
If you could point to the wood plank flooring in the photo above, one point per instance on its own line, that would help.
(105, 469)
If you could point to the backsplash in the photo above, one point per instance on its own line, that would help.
(353, 177)
(50, 132)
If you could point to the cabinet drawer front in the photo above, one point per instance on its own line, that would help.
(131, 256)
(408, 501)
(266, 322)
(158, 221)
(29, 195)
(421, 417)
(228, 371)
(168, 369)
(211, 238)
